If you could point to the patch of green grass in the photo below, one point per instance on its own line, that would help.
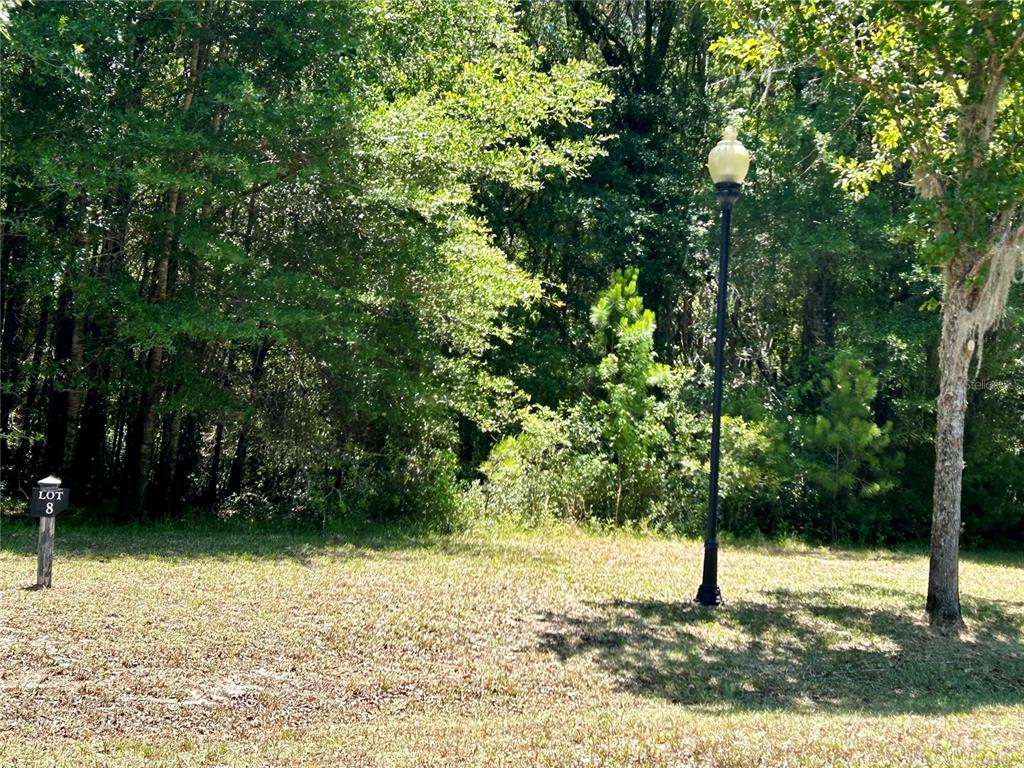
(495, 647)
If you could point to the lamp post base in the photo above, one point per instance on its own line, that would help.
(709, 595)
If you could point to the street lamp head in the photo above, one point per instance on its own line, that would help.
(729, 160)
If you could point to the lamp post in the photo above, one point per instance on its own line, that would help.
(728, 163)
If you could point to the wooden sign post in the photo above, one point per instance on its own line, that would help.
(48, 498)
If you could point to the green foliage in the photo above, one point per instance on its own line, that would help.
(634, 450)
(994, 442)
(847, 451)
(556, 466)
(624, 334)
(303, 174)
(387, 230)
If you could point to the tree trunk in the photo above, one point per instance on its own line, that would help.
(135, 497)
(955, 351)
(13, 249)
(75, 373)
(140, 440)
(236, 472)
(168, 460)
(147, 433)
(57, 418)
(119, 430)
(75, 392)
(91, 465)
(89, 470)
(819, 315)
(32, 416)
(214, 479)
(187, 460)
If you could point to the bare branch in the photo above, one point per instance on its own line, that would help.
(613, 49)
(1014, 48)
(669, 14)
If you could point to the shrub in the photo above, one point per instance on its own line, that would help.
(633, 449)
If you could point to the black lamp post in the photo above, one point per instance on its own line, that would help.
(728, 163)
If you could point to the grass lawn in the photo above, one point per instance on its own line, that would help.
(559, 648)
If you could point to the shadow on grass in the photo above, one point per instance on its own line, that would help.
(179, 542)
(1000, 557)
(801, 651)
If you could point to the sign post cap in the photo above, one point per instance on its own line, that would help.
(50, 480)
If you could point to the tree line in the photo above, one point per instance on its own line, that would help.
(325, 260)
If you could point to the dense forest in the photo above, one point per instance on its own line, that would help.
(438, 258)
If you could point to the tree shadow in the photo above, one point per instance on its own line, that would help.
(1003, 558)
(179, 543)
(801, 651)
(992, 555)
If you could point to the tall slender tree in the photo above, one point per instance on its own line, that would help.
(943, 88)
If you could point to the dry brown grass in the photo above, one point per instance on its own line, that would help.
(555, 648)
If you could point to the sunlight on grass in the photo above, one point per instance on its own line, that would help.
(551, 648)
